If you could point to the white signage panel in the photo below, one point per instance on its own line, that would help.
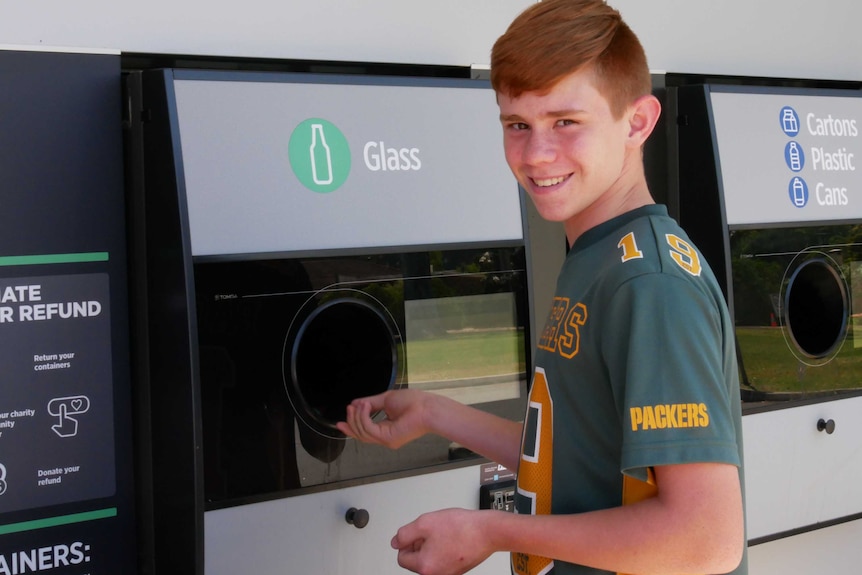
(280, 166)
(787, 157)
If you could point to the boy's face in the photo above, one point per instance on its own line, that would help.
(568, 151)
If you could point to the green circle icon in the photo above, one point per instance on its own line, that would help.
(319, 155)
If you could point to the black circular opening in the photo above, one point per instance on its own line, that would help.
(816, 308)
(343, 350)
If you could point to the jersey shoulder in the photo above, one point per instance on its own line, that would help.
(654, 244)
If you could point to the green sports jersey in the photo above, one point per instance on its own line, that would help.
(635, 368)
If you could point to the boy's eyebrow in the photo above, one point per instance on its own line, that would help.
(510, 118)
(551, 114)
(564, 113)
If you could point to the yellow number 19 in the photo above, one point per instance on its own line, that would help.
(681, 252)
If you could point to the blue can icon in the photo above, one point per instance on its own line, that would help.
(798, 191)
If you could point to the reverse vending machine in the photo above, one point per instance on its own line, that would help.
(305, 240)
(778, 210)
(769, 177)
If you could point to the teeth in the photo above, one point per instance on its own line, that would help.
(549, 182)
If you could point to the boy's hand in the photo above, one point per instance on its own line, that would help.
(447, 542)
(405, 412)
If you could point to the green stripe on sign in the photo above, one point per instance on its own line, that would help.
(53, 259)
(56, 521)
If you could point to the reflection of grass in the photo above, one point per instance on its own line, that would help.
(468, 354)
(771, 366)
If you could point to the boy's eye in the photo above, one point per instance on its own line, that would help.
(518, 126)
(565, 122)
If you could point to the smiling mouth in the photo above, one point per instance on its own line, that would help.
(548, 182)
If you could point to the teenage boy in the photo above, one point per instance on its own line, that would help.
(630, 456)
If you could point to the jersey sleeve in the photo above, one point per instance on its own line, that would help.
(664, 349)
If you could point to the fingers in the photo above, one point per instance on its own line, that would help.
(344, 428)
(401, 423)
(408, 546)
(358, 423)
(410, 557)
(408, 543)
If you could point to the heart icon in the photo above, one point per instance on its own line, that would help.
(76, 404)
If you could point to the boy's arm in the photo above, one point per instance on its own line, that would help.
(411, 414)
(693, 525)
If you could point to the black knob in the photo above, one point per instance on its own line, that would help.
(357, 517)
(827, 426)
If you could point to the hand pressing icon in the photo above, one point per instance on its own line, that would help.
(64, 408)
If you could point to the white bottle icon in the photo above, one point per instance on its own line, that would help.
(321, 157)
(789, 122)
(798, 192)
(795, 157)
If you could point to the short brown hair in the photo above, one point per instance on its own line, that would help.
(555, 38)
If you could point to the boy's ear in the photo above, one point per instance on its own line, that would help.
(643, 116)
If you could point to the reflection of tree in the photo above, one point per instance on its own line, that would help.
(753, 282)
(391, 295)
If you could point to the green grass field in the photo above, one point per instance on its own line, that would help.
(768, 361)
(468, 354)
(772, 367)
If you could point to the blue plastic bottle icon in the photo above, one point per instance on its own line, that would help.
(794, 156)
(789, 121)
(321, 157)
